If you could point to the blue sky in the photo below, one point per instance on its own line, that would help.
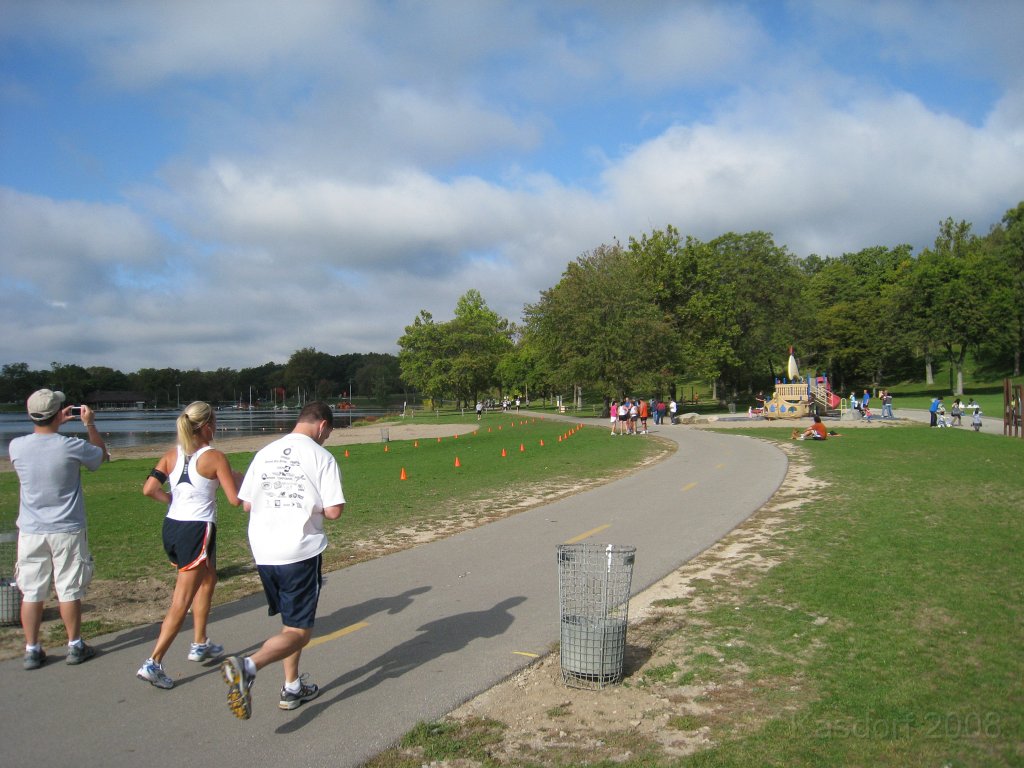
(198, 184)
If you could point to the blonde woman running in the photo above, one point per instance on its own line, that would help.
(193, 471)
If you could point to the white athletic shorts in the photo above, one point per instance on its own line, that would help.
(60, 559)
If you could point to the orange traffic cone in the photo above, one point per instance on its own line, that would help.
(503, 454)
(385, 449)
(457, 462)
(402, 476)
(522, 448)
(415, 443)
(542, 443)
(346, 453)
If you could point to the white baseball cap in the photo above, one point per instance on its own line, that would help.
(44, 403)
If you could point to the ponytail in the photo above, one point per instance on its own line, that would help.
(195, 416)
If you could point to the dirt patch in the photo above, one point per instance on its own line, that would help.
(551, 724)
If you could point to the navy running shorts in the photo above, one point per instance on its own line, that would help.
(293, 590)
(189, 543)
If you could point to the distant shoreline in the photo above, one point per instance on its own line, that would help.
(252, 443)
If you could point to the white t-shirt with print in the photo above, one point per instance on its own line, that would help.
(288, 485)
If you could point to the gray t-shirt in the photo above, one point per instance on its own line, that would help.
(49, 469)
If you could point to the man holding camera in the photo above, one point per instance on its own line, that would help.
(53, 548)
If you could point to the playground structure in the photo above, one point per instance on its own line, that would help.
(804, 397)
(1013, 404)
(798, 397)
(812, 396)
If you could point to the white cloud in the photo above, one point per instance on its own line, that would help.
(693, 45)
(60, 248)
(823, 179)
(345, 165)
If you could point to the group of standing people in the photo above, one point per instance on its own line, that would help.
(937, 413)
(862, 404)
(630, 416)
(291, 487)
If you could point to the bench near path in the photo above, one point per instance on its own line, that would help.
(399, 640)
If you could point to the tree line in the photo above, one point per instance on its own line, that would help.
(638, 318)
(308, 374)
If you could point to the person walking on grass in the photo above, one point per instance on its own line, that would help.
(193, 471)
(53, 547)
(290, 488)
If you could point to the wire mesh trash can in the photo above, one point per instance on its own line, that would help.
(593, 589)
(385, 435)
(10, 595)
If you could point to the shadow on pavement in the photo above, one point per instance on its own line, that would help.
(438, 638)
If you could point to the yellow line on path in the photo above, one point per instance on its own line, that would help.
(524, 653)
(689, 486)
(340, 633)
(719, 466)
(588, 534)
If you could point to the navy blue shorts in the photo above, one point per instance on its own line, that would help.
(189, 543)
(293, 590)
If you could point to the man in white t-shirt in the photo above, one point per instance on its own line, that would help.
(291, 487)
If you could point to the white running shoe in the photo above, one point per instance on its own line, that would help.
(153, 673)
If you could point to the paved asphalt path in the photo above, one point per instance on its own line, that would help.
(402, 639)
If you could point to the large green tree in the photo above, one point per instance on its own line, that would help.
(478, 339)
(598, 326)
(1006, 245)
(309, 373)
(732, 303)
(458, 359)
(853, 331)
(954, 295)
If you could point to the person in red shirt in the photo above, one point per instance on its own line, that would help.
(816, 431)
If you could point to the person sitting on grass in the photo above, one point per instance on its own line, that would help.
(816, 431)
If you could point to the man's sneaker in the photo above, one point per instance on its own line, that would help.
(34, 659)
(306, 693)
(204, 651)
(79, 653)
(239, 684)
(153, 673)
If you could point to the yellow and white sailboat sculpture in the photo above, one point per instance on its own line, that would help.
(792, 370)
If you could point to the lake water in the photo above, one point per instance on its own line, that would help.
(125, 429)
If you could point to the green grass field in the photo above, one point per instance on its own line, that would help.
(916, 559)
